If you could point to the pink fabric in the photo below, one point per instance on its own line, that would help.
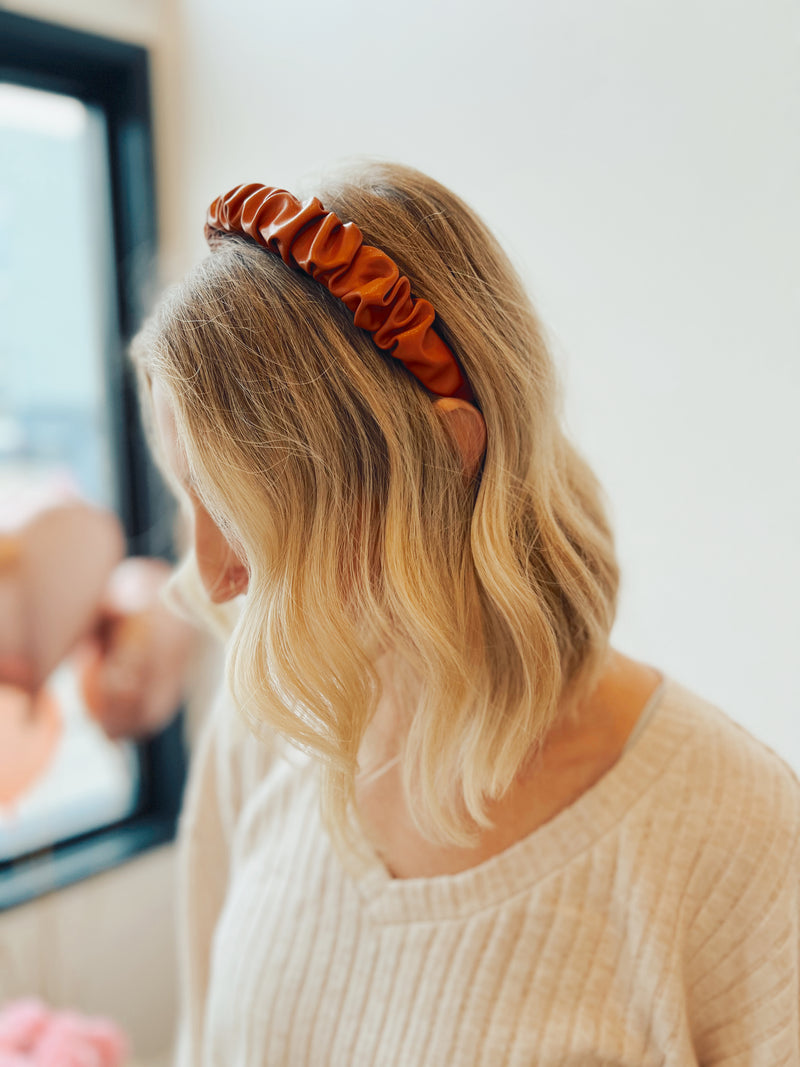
(31, 1035)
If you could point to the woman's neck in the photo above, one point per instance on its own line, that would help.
(576, 753)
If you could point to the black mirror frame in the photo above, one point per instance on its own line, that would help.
(114, 76)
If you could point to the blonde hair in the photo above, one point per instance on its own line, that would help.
(325, 465)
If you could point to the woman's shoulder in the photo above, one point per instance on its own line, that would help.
(731, 823)
(728, 792)
(726, 761)
(234, 758)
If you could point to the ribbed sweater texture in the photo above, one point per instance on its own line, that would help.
(654, 921)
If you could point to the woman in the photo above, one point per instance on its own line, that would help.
(506, 842)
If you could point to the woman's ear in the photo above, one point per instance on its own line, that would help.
(466, 428)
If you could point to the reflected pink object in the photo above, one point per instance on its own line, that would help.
(133, 682)
(53, 569)
(64, 588)
(31, 1035)
(30, 730)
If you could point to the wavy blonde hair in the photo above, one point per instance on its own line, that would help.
(324, 463)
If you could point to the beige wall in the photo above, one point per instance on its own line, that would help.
(140, 21)
(104, 946)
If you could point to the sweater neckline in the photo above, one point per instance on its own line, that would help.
(665, 724)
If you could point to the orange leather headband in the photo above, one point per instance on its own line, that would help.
(368, 281)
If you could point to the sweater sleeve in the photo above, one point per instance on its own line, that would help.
(222, 770)
(744, 972)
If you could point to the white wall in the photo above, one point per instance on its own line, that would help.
(641, 161)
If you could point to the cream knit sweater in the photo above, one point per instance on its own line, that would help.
(653, 921)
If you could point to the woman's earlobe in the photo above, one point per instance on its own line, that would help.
(230, 585)
(236, 578)
(238, 581)
(222, 572)
(466, 427)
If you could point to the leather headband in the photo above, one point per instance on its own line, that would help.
(365, 279)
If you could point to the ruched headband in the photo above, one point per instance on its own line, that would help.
(364, 278)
